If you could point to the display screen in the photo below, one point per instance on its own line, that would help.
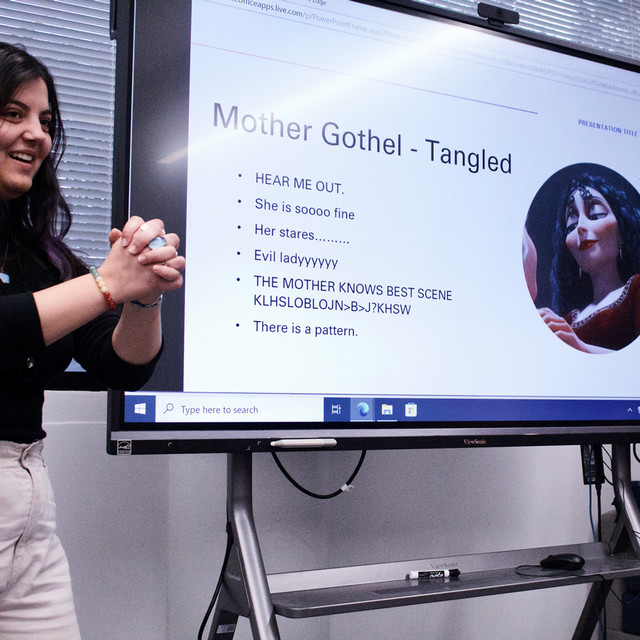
(401, 230)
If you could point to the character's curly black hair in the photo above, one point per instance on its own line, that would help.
(570, 289)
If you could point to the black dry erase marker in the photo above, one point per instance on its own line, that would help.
(428, 575)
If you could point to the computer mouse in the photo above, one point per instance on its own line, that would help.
(566, 561)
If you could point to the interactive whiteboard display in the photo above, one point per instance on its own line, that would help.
(375, 206)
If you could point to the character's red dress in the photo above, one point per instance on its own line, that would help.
(614, 326)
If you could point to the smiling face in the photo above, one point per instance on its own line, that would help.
(592, 231)
(25, 140)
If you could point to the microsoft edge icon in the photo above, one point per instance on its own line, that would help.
(362, 408)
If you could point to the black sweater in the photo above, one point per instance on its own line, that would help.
(26, 365)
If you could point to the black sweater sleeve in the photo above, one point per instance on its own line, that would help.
(93, 349)
(20, 334)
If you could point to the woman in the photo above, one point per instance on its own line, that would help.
(596, 289)
(52, 308)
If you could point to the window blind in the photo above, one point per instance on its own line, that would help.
(612, 26)
(72, 38)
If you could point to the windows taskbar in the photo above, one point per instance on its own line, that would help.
(188, 407)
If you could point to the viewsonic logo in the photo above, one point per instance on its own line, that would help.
(475, 441)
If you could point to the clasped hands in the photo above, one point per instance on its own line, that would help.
(133, 271)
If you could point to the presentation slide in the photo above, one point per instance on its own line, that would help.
(359, 186)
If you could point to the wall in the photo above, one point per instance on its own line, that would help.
(145, 535)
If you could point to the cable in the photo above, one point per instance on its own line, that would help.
(320, 496)
(593, 529)
(216, 591)
(597, 538)
(608, 466)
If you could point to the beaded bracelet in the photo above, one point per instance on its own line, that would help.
(103, 288)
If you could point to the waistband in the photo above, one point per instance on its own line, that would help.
(12, 452)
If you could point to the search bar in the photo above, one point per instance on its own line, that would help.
(168, 407)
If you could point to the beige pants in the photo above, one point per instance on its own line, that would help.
(36, 602)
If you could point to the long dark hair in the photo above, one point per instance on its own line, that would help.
(571, 289)
(33, 226)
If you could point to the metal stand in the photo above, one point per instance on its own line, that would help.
(247, 590)
(625, 536)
